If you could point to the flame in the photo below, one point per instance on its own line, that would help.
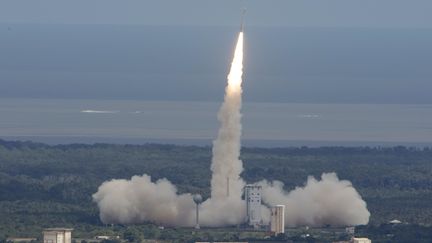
(236, 71)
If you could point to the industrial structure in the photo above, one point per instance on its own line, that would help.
(277, 219)
(197, 199)
(57, 235)
(253, 204)
(360, 240)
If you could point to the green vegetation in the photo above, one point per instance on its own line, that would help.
(45, 186)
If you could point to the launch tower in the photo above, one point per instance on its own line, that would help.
(253, 204)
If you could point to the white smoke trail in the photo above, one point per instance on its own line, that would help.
(328, 201)
(226, 166)
(133, 201)
(225, 207)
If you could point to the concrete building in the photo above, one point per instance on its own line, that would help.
(277, 219)
(350, 230)
(360, 240)
(57, 235)
(253, 204)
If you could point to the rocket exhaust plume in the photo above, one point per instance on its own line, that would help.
(140, 200)
(225, 207)
(226, 166)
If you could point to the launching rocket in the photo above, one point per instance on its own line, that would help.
(242, 19)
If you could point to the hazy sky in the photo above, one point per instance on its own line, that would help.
(297, 13)
(296, 51)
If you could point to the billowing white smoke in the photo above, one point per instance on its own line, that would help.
(328, 201)
(225, 207)
(139, 200)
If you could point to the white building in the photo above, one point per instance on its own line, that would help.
(350, 230)
(360, 240)
(253, 204)
(277, 219)
(57, 235)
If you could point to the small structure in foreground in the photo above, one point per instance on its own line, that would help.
(350, 230)
(198, 200)
(360, 240)
(57, 235)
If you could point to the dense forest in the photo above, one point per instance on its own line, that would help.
(45, 186)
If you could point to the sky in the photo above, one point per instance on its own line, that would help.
(292, 13)
(334, 51)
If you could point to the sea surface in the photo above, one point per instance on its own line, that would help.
(57, 121)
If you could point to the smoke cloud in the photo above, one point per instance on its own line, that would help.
(225, 204)
(329, 201)
(139, 200)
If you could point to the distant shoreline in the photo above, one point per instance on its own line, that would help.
(195, 123)
(65, 140)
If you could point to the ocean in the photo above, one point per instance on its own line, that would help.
(62, 121)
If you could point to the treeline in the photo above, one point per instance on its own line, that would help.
(42, 184)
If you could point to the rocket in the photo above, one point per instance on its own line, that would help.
(242, 19)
